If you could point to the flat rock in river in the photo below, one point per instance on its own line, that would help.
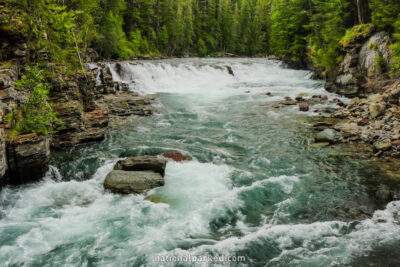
(142, 163)
(128, 182)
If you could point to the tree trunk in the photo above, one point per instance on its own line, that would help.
(158, 21)
(360, 12)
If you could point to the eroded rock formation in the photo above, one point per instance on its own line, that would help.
(85, 103)
(364, 68)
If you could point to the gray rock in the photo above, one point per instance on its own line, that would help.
(383, 145)
(126, 104)
(377, 46)
(327, 135)
(128, 182)
(142, 163)
(361, 69)
(288, 102)
(376, 109)
(28, 156)
(3, 156)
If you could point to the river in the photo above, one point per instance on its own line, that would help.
(255, 186)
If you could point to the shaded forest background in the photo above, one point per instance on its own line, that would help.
(121, 29)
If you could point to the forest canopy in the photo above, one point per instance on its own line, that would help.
(121, 29)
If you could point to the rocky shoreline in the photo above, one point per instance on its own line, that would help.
(372, 116)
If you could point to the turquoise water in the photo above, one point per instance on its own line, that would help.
(255, 187)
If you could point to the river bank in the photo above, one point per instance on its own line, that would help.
(364, 74)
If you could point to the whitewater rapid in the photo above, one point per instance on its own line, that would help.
(253, 188)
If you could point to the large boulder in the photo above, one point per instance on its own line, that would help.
(128, 182)
(142, 163)
(383, 145)
(328, 135)
(376, 109)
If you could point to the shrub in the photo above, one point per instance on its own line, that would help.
(37, 114)
(380, 63)
(355, 33)
(395, 47)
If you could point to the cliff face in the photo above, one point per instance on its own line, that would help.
(373, 114)
(85, 104)
(364, 69)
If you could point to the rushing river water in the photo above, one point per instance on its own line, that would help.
(255, 187)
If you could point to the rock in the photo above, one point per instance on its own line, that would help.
(230, 71)
(28, 156)
(288, 101)
(350, 130)
(300, 97)
(303, 107)
(120, 86)
(353, 103)
(361, 69)
(247, 92)
(383, 145)
(322, 125)
(396, 143)
(376, 110)
(324, 98)
(363, 122)
(128, 182)
(338, 102)
(375, 98)
(126, 104)
(327, 135)
(3, 156)
(142, 163)
(266, 93)
(314, 100)
(321, 144)
(176, 156)
(376, 47)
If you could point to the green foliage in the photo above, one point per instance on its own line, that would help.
(373, 46)
(395, 47)
(287, 31)
(201, 48)
(385, 13)
(326, 29)
(112, 41)
(37, 115)
(138, 44)
(62, 31)
(380, 63)
(356, 33)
